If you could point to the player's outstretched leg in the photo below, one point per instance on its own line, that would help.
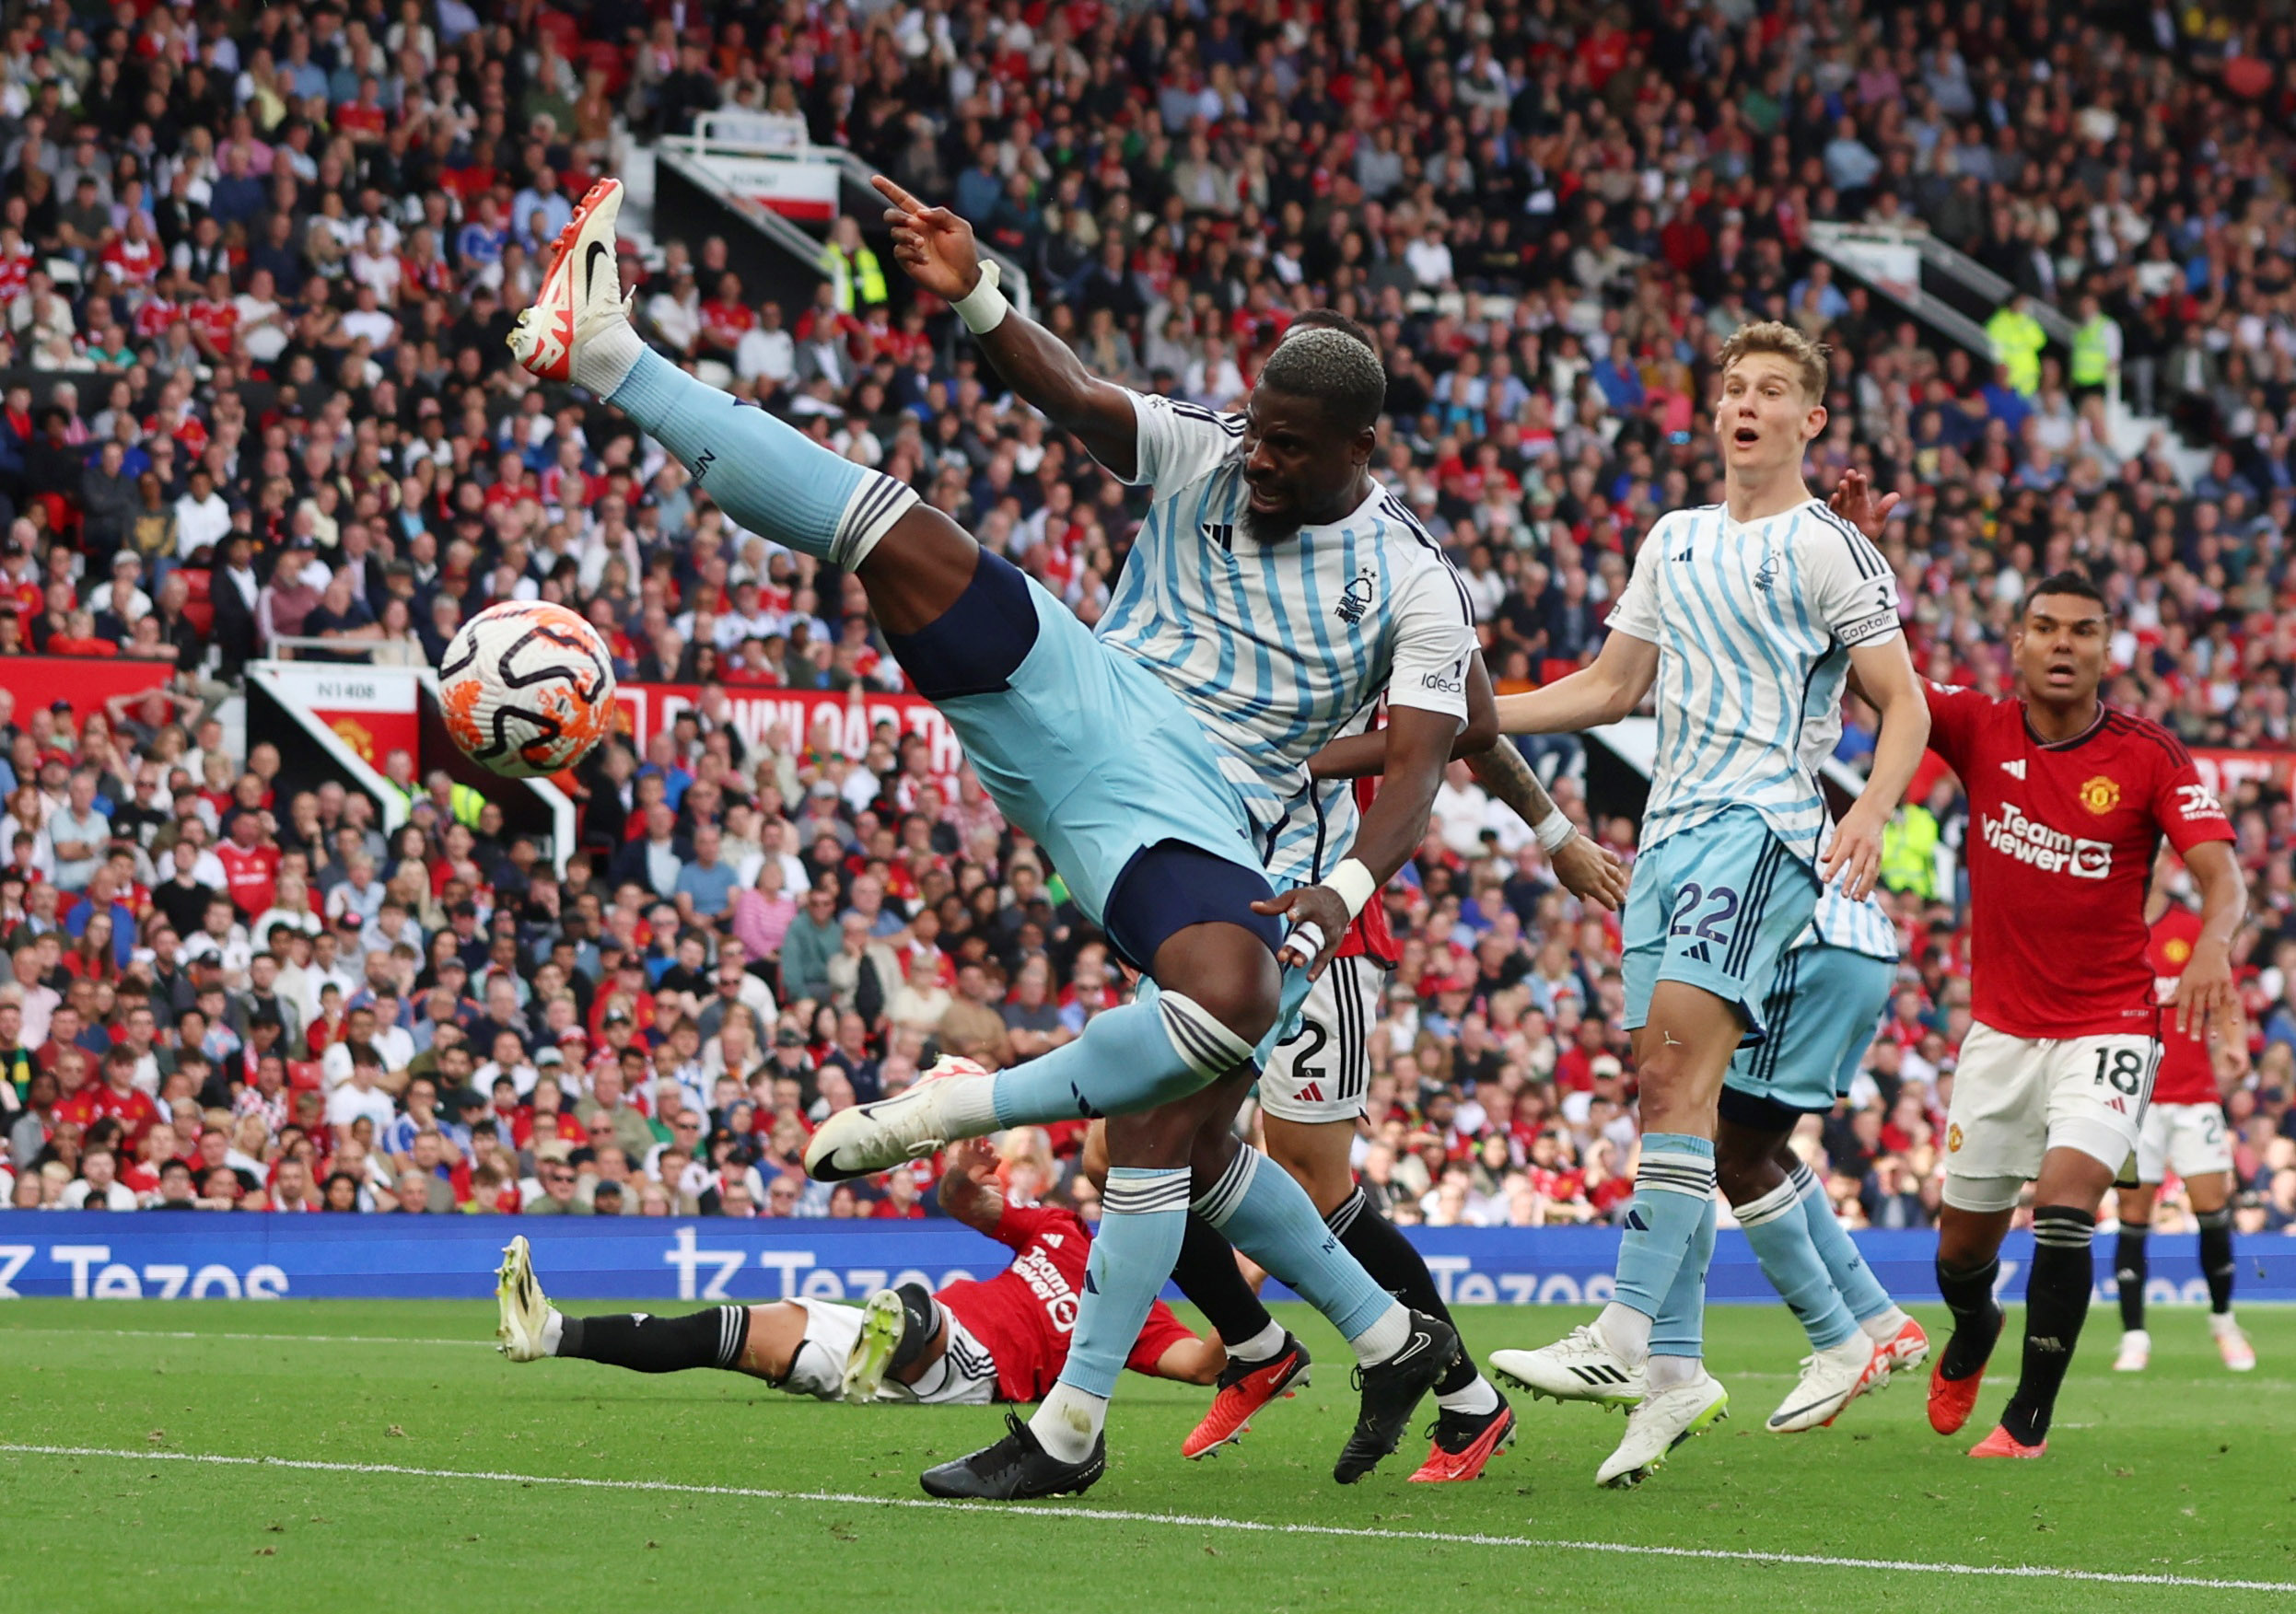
(530, 1329)
(963, 622)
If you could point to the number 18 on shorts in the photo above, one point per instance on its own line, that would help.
(2017, 1097)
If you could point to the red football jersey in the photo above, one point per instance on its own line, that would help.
(2061, 840)
(1025, 1314)
(2187, 1074)
(1370, 936)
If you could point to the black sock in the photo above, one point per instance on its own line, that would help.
(1208, 1276)
(2216, 1257)
(2056, 1303)
(1396, 1266)
(1976, 1319)
(2128, 1271)
(714, 1337)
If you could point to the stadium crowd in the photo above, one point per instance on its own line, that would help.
(258, 264)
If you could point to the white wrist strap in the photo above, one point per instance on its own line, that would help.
(983, 307)
(1553, 830)
(1355, 885)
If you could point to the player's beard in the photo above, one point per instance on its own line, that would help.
(1270, 527)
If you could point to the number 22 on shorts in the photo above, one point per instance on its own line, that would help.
(1721, 908)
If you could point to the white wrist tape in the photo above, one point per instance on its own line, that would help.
(1355, 885)
(1303, 944)
(983, 307)
(1553, 830)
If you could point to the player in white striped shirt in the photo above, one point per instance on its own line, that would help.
(1273, 595)
(1745, 620)
(1096, 758)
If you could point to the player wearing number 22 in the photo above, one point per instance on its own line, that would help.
(2067, 799)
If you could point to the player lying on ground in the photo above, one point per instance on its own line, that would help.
(2184, 1129)
(1744, 619)
(1001, 1340)
(2068, 800)
(1103, 749)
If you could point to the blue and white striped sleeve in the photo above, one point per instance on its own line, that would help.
(1179, 442)
(1847, 582)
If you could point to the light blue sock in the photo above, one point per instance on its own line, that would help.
(1679, 1329)
(767, 476)
(1673, 1190)
(1143, 1215)
(1780, 1236)
(1852, 1279)
(1128, 1059)
(1267, 1215)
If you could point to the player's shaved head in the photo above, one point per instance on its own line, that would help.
(1338, 371)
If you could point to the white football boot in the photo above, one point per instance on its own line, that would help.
(1581, 1366)
(1831, 1379)
(1663, 1421)
(921, 1121)
(581, 306)
(529, 1325)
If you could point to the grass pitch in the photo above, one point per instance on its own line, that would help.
(382, 1457)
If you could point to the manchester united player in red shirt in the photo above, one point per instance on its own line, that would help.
(2068, 798)
(1003, 1338)
(2184, 1130)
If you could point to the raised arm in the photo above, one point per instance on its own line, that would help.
(968, 1190)
(937, 249)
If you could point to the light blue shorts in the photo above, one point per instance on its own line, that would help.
(1094, 758)
(1821, 1014)
(1715, 906)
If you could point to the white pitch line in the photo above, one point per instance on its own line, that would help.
(204, 1334)
(1183, 1521)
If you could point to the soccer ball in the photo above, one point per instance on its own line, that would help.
(527, 689)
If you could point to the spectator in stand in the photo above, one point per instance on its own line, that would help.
(283, 409)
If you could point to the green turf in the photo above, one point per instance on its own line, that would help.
(2185, 1471)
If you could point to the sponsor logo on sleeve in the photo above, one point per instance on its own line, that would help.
(2198, 801)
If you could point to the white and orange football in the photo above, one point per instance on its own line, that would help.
(528, 689)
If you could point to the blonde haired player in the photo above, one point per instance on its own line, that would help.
(1744, 619)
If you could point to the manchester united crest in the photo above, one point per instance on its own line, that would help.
(2101, 795)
